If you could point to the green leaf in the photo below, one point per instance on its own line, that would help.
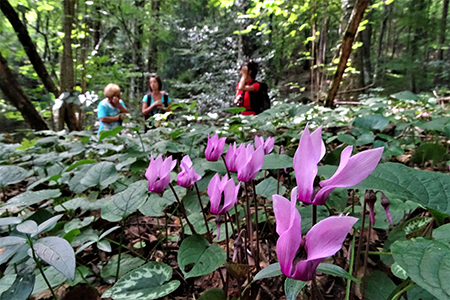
(28, 227)
(371, 122)
(47, 224)
(12, 241)
(276, 161)
(110, 133)
(197, 257)
(378, 286)
(272, 270)
(21, 288)
(29, 198)
(11, 174)
(398, 271)
(235, 110)
(79, 163)
(53, 276)
(347, 138)
(442, 233)
(127, 263)
(131, 199)
(334, 270)
(427, 263)
(430, 189)
(101, 174)
(428, 151)
(268, 187)
(144, 283)
(58, 253)
(292, 288)
(10, 221)
(406, 95)
(213, 294)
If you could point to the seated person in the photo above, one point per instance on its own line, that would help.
(156, 101)
(247, 85)
(110, 110)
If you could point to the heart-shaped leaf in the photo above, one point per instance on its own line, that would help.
(197, 257)
(213, 294)
(28, 227)
(335, 271)
(29, 198)
(268, 187)
(276, 161)
(430, 189)
(11, 174)
(101, 174)
(427, 263)
(11, 241)
(144, 283)
(10, 221)
(58, 253)
(131, 199)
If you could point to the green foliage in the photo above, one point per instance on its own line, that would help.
(151, 281)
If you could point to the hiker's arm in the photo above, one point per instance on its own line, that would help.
(146, 109)
(244, 79)
(108, 120)
(116, 102)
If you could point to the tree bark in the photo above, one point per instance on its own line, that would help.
(378, 74)
(441, 41)
(67, 111)
(346, 49)
(16, 96)
(152, 63)
(29, 47)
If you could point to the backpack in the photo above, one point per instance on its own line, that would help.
(165, 98)
(259, 101)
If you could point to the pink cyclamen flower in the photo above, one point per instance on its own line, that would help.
(214, 147)
(268, 144)
(230, 157)
(351, 170)
(248, 162)
(158, 173)
(187, 177)
(299, 256)
(222, 194)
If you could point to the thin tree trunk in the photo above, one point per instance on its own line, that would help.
(378, 62)
(346, 49)
(67, 111)
(16, 96)
(29, 47)
(152, 63)
(441, 41)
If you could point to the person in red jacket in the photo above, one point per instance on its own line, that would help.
(247, 85)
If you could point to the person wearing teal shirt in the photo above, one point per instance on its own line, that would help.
(156, 101)
(111, 109)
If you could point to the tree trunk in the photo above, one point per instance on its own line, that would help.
(377, 72)
(346, 49)
(366, 38)
(441, 41)
(152, 66)
(418, 36)
(29, 47)
(67, 111)
(16, 96)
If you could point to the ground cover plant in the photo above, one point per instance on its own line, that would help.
(298, 202)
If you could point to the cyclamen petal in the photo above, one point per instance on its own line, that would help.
(310, 151)
(351, 171)
(268, 144)
(249, 162)
(187, 177)
(214, 147)
(222, 194)
(230, 157)
(323, 240)
(158, 173)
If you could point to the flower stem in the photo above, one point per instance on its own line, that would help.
(140, 138)
(366, 255)
(361, 234)
(350, 268)
(120, 248)
(314, 214)
(183, 211)
(249, 222)
(203, 213)
(228, 254)
(255, 203)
